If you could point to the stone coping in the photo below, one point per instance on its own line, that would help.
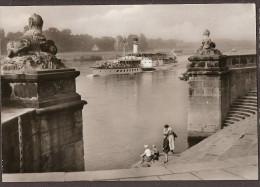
(242, 69)
(240, 55)
(217, 57)
(9, 113)
(41, 76)
(241, 168)
(206, 57)
(63, 106)
(40, 71)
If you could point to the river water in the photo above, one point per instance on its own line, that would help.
(124, 112)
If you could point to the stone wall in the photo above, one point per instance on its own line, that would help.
(51, 140)
(224, 96)
(241, 81)
(242, 75)
(10, 147)
(215, 82)
(204, 111)
(61, 139)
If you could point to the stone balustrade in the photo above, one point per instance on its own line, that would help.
(220, 63)
(239, 61)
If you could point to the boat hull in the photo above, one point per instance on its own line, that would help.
(115, 71)
(164, 67)
(119, 71)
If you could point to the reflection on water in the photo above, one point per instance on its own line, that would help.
(124, 112)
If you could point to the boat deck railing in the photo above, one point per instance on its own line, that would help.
(116, 67)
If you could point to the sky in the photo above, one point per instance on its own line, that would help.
(182, 22)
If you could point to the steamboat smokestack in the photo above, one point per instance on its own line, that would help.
(135, 46)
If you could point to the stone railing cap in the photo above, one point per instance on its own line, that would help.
(204, 57)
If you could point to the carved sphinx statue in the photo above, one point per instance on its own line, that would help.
(207, 47)
(32, 41)
(32, 50)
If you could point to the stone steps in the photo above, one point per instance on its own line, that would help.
(252, 94)
(242, 108)
(225, 125)
(233, 118)
(229, 121)
(245, 114)
(246, 101)
(237, 116)
(249, 97)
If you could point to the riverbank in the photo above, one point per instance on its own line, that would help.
(236, 140)
(229, 154)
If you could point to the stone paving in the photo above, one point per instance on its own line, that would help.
(236, 140)
(230, 169)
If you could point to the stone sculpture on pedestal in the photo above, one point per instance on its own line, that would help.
(207, 47)
(32, 51)
(207, 58)
(49, 138)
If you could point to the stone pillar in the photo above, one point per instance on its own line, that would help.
(52, 135)
(49, 138)
(207, 81)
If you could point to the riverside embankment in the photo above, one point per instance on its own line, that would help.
(236, 140)
(229, 154)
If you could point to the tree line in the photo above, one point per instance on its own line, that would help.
(68, 42)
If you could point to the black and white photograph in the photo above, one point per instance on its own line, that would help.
(151, 92)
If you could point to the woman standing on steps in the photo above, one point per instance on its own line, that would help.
(170, 136)
(166, 147)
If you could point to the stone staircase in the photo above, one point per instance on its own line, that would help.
(243, 107)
